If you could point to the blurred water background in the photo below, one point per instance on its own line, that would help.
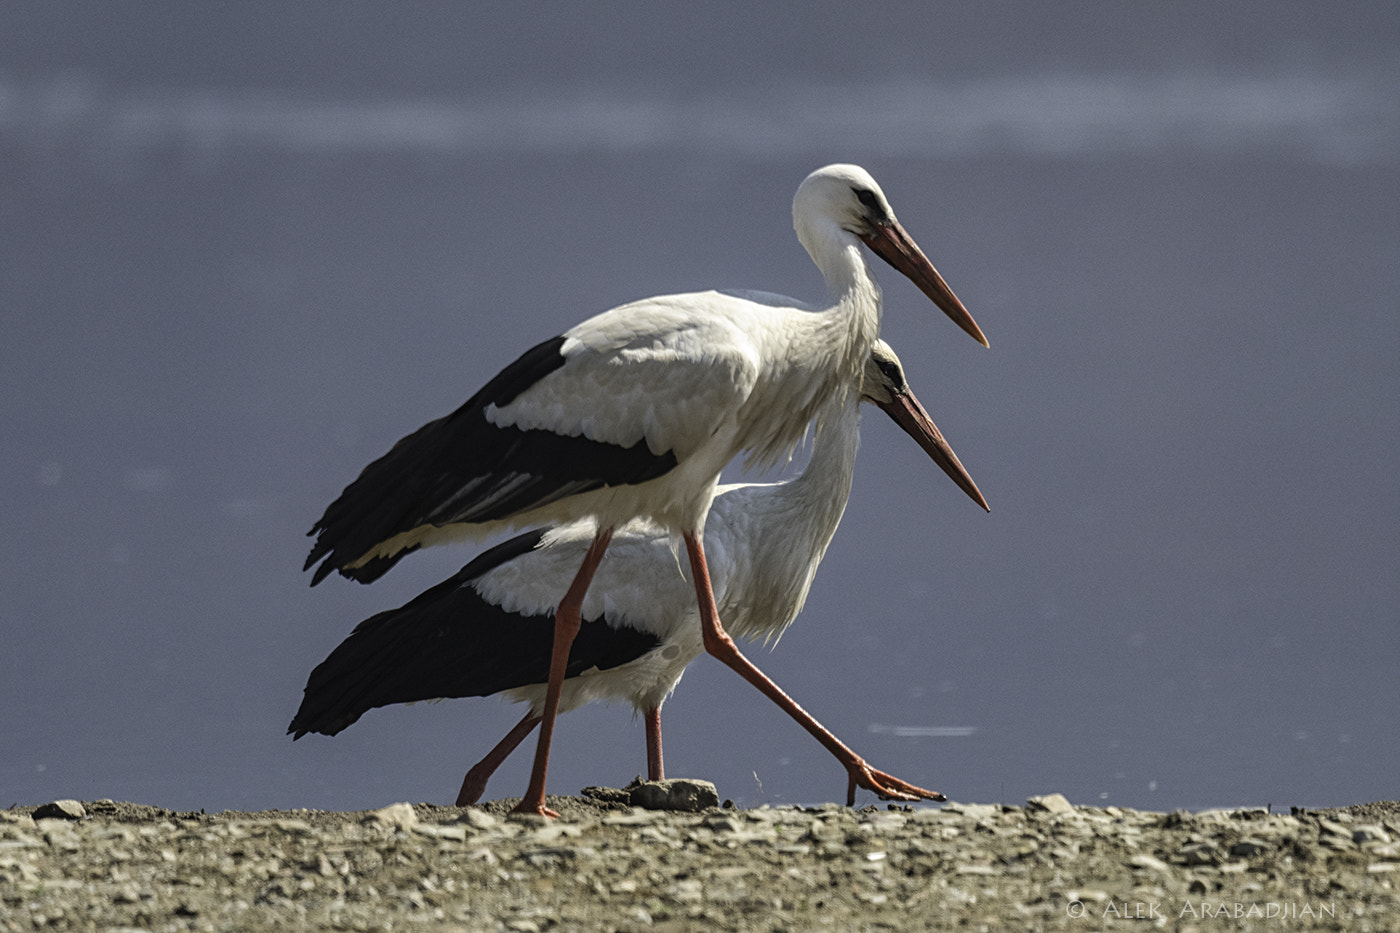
(245, 247)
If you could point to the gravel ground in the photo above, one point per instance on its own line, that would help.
(605, 865)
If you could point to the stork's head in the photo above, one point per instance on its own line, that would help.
(883, 378)
(845, 198)
(884, 385)
(843, 194)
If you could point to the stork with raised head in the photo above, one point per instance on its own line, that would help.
(489, 628)
(633, 414)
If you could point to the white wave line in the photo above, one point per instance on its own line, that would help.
(1352, 119)
(923, 732)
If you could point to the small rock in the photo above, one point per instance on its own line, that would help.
(398, 814)
(1199, 853)
(884, 822)
(976, 812)
(61, 810)
(480, 819)
(723, 824)
(555, 855)
(1334, 835)
(1149, 863)
(679, 794)
(620, 796)
(1050, 803)
(1177, 818)
(634, 816)
(690, 890)
(1369, 833)
(437, 831)
(1334, 828)
(1096, 895)
(975, 870)
(1248, 848)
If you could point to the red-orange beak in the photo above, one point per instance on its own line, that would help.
(906, 411)
(892, 244)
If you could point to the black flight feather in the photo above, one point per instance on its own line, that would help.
(449, 642)
(463, 468)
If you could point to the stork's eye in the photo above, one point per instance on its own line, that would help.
(867, 197)
(892, 372)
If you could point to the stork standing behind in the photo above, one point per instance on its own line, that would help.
(489, 628)
(633, 414)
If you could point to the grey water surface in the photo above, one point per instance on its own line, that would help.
(245, 247)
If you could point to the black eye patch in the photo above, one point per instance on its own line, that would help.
(892, 373)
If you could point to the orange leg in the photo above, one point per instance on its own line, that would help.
(656, 771)
(720, 645)
(566, 625)
(474, 784)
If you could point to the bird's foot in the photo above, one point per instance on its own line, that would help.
(538, 809)
(885, 786)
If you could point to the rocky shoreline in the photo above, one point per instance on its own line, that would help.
(608, 865)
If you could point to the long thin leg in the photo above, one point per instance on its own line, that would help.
(656, 771)
(566, 625)
(474, 784)
(720, 645)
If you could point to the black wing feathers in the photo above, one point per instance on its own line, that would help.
(462, 468)
(449, 642)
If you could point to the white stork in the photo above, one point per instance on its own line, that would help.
(489, 628)
(634, 413)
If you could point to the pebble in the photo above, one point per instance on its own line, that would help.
(1050, 803)
(681, 794)
(436, 831)
(1248, 848)
(975, 811)
(62, 810)
(480, 819)
(1149, 863)
(635, 817)
(1332, 827)
(399, 815)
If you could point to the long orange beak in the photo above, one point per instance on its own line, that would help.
(892, 244)
(906, 411)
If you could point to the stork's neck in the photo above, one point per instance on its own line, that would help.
(817, 361)
(854, 316)
(822, 489)
(784, 528)
(839, 255)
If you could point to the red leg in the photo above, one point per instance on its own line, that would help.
(720, 645)
(474, 784)
(566, 625)
(656, 771)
